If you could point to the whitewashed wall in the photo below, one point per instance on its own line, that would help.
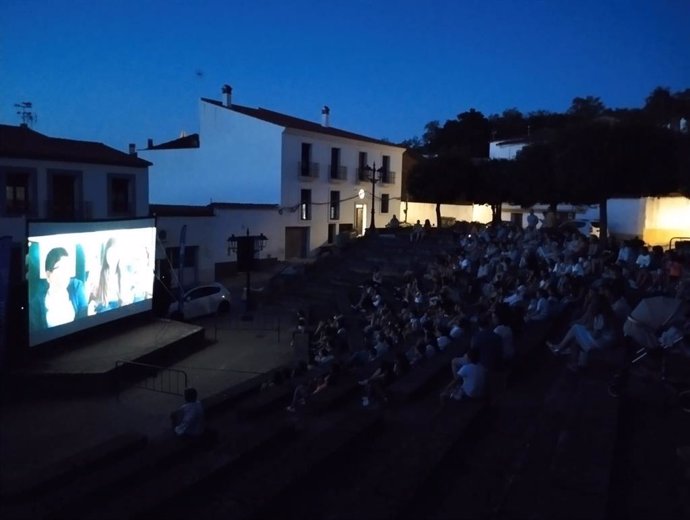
(245, 160)
(461, 212)
(503, 150)
(239, 160)
(94, 178)
(210, 234)
(665, 218)
(323, 185)
(626, 217)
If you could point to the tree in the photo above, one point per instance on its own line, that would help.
(413, 143)
(443, 179)
(660, 105)
(510, 124)
(543, 125)
(494, 184)
(466, 135)
(431, 131)
(665, 108)
(536, 178)
(587, 107)
(602, 159)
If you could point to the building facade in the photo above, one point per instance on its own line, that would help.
(48, 178)
(309, 179)
(59, 180)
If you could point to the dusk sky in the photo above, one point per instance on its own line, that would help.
(123, 71)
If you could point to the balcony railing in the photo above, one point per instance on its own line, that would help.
(338, 172)
(364, 176)
(56, 209)
(388, 178)
(308, 170)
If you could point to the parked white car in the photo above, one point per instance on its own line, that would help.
(202, 300)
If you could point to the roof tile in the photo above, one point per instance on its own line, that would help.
(21, 142)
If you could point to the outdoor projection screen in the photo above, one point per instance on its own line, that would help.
(83, 274)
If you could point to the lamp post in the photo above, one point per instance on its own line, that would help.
(372, 170)
(246, 247)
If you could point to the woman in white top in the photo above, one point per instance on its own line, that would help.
(644, 259)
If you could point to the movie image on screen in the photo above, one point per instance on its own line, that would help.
(85, 274)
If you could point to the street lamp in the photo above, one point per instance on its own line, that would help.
(374, 179)
(246, 247)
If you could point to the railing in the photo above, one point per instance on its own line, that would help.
(683, 239)
(388, 178)
(364, 175)
(151, 377)
(77, 211)
(338, 172)
(308, 170)
(264, 319)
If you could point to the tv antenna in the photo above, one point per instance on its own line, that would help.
(29, 118)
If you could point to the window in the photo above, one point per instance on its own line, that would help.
(385, 202)
(331, 233)
(305, 160)
(361, 164)
(334, 208)
(305, 205)
(386, 168)
(65, 189)
(121, 195)
(335, 163)
(202, 292)
(17, 193)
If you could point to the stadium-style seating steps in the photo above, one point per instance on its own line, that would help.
(528, 451)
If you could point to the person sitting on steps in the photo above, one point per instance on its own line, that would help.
(188, 420)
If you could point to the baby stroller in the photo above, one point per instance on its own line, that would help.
(657, 327)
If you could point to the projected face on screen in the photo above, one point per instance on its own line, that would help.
(80, 277)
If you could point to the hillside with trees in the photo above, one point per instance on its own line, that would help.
(586, 155)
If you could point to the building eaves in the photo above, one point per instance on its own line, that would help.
(515, 140)
(177, 210)
(21, 142)
(242, 205)
(185, 142)
(296, 123)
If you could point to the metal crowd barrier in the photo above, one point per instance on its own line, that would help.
(151, 377)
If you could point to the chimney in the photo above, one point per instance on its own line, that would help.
(227, 94)
(149, 143)
(132, 149)
(325, 116)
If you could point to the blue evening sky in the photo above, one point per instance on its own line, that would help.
(121, 71)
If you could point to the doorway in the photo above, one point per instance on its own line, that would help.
(296, 242)
(360, 210)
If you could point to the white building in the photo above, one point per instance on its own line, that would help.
(507, 148)
(305, 182)
(656, 220)
(49, 178)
